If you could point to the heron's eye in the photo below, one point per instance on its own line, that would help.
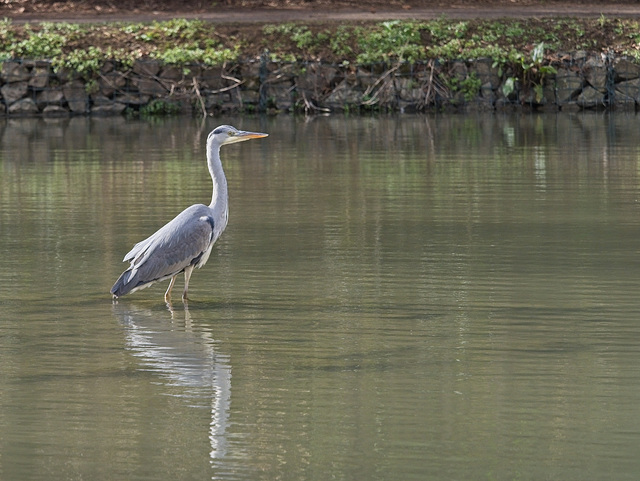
(230, 134)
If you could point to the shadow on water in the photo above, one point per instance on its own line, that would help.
(186, 359)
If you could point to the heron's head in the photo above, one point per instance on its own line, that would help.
(225, 134)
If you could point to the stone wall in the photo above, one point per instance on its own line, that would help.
(580, 81)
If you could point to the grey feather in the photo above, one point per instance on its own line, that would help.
(180, 243)
(185, 242)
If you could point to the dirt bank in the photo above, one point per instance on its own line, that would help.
(276, 73)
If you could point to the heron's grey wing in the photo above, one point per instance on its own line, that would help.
(180, 243)
(139, 247)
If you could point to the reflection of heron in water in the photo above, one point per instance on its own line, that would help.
(186, 357)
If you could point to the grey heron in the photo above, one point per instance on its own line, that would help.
(184, 243)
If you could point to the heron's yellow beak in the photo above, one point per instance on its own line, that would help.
(241, 136)
(251, 135)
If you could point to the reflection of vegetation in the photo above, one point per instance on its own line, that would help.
(169, 176)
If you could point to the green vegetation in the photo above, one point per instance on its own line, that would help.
(159, 107)
(468, 87)
(86, 47)
(193, 53)
(300, 36)
(394, 40)
(532, 70)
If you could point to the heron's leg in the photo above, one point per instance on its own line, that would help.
(187, 275)
(167, 295)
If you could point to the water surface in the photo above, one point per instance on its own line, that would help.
(429, 297)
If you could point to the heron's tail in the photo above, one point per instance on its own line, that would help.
(124, 285)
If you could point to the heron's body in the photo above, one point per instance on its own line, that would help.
(185, 243)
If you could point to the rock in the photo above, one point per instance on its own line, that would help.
(343, 95)
(590, 98)
(76, 96)
(171, 73)
(99, 100)
(624, 103)
(24, 106)
(570, 107)
(503, 104)
(39, 78)
(487, 93)
(227, 107)
(486, 72)
(459, 70)
(479, 105)
(114, 108)
(55, 111)
(211, 78)
(107, 67)
(191, 71)
(550, 107)
(587, 83)
(366, 78)
(533, 97)
(49, 97)
(250, 71)
(112, 81)
(215, 101)
(317, 79)
(568, 85)
(549, 93)
(279, 96)
(629, 89)
(65, 75)
(146, 67)
(250, 75)
(625, 69)
(250, 97)
(149, 87)
(12, 92)
(132, 99)
(14, 72)
(595, 73)
(579, 55)
(30, 64)
(408, 90)
(281, 74)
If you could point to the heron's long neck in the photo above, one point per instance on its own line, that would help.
(219, 198)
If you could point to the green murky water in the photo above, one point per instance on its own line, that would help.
(450, 297)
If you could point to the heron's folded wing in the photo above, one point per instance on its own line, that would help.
(178, 244)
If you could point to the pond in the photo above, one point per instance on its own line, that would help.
(412, 297)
